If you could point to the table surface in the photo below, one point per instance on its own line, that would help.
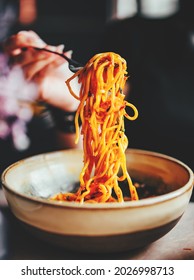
(178, 244)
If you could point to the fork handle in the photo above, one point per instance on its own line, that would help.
(70, 60)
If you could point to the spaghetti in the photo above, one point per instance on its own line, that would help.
(102, 110)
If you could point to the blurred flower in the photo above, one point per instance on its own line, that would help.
(16, 97)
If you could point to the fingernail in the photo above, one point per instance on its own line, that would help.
(61, 47)
(69, 53)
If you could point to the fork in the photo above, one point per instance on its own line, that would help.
(74, 65)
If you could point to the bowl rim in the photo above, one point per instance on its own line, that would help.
(107, 205)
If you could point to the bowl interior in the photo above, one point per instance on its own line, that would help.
(45, 175)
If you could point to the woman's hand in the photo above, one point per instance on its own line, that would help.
(47, 70)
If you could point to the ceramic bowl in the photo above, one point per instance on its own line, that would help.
(107, 227)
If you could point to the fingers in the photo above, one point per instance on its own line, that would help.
(31, 60)
(47, 70)
(32, 55)
(29, 56)
(44, 61)
(53, 67)
(34, 69)
(13, 44)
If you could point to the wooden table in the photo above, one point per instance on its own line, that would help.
(178, 244)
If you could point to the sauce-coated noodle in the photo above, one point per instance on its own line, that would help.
(102, 110)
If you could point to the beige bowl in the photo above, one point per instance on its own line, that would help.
(107, 227)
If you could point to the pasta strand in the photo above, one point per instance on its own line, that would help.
(102, 110)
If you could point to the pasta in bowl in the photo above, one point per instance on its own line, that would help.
(30, 184)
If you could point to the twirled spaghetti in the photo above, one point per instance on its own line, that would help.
(102, 110)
